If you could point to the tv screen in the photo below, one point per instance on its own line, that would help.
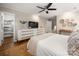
(33, 24)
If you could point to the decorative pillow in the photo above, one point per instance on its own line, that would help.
(73, 44)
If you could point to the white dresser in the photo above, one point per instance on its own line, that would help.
(28, 33)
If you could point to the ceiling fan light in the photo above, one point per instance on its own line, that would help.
(47, 12)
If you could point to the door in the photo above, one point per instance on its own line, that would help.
(51, 24)
(54, 24)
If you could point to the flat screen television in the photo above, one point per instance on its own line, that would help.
(33, 24)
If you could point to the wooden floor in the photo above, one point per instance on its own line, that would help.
(9, 48)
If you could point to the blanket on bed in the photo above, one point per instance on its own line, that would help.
(73, 44)
(32, 44)
(48, 44)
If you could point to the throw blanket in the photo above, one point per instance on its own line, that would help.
(73, 44)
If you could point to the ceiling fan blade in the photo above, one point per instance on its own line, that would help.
(52, 9)
(49, 5)
(41, 10)
(40, 7)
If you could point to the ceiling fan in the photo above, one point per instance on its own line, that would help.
(46, 8)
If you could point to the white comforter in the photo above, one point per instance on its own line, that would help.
(48, 44)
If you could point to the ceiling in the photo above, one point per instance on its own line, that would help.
(30, 8)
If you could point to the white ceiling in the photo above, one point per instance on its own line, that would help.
(30, 8)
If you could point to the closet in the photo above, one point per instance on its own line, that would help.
(7, 25)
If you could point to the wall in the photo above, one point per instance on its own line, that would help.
(23, 16)
(1, 31)
(72, 15)
(18, 16)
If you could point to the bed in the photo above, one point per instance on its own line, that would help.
(48, 44)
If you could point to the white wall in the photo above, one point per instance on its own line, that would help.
(71, 15)
(24, 16)
(61, 9)
(1, 30)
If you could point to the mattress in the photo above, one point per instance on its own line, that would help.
(48, 44)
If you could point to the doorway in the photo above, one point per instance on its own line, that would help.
(52, 25)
